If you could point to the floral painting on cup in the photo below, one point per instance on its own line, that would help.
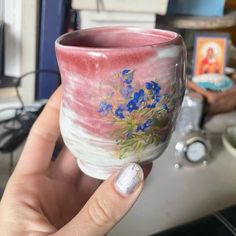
(140, 113)
(122, 90)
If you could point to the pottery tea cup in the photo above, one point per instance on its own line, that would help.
(122, 90)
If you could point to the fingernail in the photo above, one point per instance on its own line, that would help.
(129, 178)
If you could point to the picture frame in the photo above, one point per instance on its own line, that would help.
(210, 53)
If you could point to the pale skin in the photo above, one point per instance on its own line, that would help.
(55, 198)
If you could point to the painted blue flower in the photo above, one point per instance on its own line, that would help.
(152, 105)
(148, 85)
(156, 86)
(139, 96)
(127, 91)
(153, 86)
(165, 107)
(129, 134)
(127, 76)
(119, 112)
(155, 90)
(156, 98)
(139, 128)
(145, 125)
(104, 107)
(125, 72)
(132, 105)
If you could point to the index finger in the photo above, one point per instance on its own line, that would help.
(37, 153)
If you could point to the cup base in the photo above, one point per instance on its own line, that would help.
(95, 171)
(104, 172)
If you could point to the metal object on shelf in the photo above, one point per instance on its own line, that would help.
(193, 149)
(193, 146)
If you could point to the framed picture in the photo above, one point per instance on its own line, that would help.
(210, 53)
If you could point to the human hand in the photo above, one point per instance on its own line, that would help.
(217, 102)
(55, 198)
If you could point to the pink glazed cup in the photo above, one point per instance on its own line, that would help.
(122, 89)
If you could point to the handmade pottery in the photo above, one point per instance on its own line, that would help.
(122, 89)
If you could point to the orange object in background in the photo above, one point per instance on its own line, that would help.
(210, 55)
(230, 5)
(210, 63)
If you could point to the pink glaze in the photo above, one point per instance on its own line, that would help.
(94, 67)
(91, 63)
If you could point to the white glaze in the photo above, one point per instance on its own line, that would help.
(86, 147)
(171, 51)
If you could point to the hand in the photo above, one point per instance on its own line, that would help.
(51, 198)
(217, 102)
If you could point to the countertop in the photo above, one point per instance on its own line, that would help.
(176, 196)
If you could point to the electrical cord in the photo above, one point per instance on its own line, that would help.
(36, 72)
(14, 130)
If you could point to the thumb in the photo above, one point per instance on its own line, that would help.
(108, 205)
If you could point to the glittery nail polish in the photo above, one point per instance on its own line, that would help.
(128, 179)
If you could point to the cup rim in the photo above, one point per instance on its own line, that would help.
(174, 38)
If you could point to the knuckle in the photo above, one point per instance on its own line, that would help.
(101, 213)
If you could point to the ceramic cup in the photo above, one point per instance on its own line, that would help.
(122, 89)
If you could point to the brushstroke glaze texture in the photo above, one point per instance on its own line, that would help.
(122, 89)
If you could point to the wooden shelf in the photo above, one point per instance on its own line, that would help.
(197, 22)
